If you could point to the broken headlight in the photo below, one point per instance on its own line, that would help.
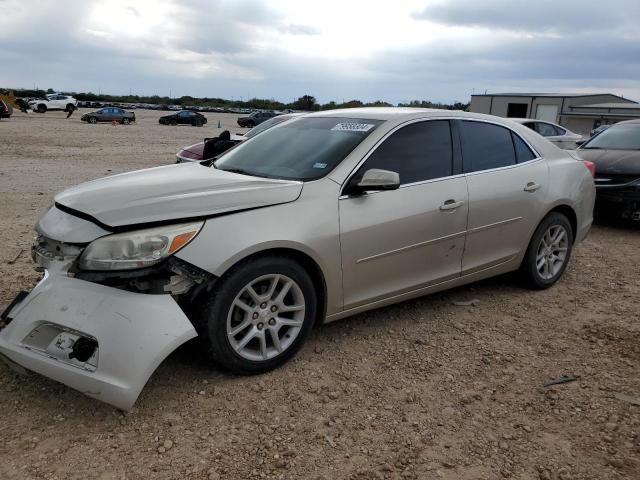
(137, 249)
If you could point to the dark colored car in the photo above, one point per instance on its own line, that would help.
(217, 145)
(616, 155)
(184, 117)
(601, 128)
(5, 109)
(256, 118)
(109, 114)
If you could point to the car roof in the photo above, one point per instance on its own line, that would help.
(400, 114)
(635, 121)
(523, 120)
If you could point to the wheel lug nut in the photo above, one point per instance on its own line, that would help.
(263, 305)
(260, 326)
(273, 308)
(255, 315)
(272, 321)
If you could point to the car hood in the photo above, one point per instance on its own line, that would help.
(173, 192)
(624, 162)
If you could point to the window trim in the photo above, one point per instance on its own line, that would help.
(536, 158)
(456, 154)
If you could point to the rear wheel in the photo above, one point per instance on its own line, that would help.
(548, 253)
(259, 315)
(126, 121)
(70, 107)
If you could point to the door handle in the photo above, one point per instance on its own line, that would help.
(450, 205)
(532, 187)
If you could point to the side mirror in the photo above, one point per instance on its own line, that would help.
(374, 180)
(580, 142)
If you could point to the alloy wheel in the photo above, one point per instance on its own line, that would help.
(265, 317)
(552, 251)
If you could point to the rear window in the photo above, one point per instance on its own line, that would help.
(304, 149)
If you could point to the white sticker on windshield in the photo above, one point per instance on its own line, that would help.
(353, 127)
(319, 165)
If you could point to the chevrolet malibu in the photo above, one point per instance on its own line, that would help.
(314, 220)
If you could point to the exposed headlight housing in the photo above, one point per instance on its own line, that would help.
(137, 249)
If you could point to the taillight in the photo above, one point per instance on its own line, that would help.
(591, 167)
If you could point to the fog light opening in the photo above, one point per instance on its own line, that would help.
(83, 349)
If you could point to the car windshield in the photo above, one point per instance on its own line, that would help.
(304, 149)
(618, 137)
(266, 125)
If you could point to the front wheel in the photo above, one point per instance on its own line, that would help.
(93, 120)
(548, 253)
(259, 315)
(41, 108)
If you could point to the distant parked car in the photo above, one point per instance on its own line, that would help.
(109, 114)
(196, 152)
(256, 118)
(184, 117)
(616, 155)
(5, 109)
(598, 130)
(559, 136)
(54, 101)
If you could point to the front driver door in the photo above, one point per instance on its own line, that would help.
(401, 240)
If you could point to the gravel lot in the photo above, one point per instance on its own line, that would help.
(426, 389)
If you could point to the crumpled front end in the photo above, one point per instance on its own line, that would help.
(104, 337)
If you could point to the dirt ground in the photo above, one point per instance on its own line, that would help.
(422, 390)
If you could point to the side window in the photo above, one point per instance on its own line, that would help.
(486, 146)
(545, 129)
(530, 125)
(523, 152)
(417, 152)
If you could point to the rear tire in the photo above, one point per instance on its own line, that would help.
(245, 306)
(548, 252)
(125, 121)
(70, 107)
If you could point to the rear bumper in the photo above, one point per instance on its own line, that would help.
(131, 334)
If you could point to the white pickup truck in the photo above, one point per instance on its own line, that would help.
(54, 101)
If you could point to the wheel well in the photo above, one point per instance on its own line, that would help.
(310, 266)
(568, 212)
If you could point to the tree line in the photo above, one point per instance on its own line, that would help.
(305, 102)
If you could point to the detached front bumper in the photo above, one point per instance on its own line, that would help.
(100, 340)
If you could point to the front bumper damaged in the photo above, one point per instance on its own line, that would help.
(103, 341)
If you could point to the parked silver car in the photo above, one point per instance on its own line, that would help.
(313, 220)
(559, 136)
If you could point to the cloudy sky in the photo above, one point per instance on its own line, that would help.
(442, 50)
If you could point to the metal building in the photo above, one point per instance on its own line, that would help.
(578, 112)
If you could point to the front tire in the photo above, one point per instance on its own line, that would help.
(42, 108)
(548, 253)
(259, 315)
(93, 120)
